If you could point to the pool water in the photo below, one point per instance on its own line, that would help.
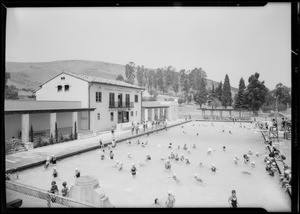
(154, 181)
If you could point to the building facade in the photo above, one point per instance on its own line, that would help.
(115, 102)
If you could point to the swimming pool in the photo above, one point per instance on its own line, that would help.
(153, 181)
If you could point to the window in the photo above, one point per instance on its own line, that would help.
(111, 116)
(59, 88)
(98, 116)
(67, 87)
(62, 78)
(111, 99)
(136, 98)
(127, 100)
(98, 97)
(135, 113)
(131, 113)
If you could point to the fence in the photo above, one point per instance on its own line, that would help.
(34, 197)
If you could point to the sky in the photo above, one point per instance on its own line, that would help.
(237, 41)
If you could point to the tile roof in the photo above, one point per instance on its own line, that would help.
(102, 80)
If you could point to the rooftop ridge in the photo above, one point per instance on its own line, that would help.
(102, 80)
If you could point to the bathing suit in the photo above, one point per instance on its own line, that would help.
(55, 174)
(77, 174)
(233, 202)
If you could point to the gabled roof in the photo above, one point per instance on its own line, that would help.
(97, 80)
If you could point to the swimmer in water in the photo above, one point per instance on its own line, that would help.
(175, 178)
(197, 178)
(209, 150)
(213, 168)
(133, 170)
(197, 134)
(170, 146)
(184, 147)
(120, 166)
(182, 157)
(189, 151)
(167, 164)
(229, 132)
(246, 173)
(252, 164)
(148, 157)
(128, 155)
(224, 148)
(246, 158)
(187, 161)
(250, 152)
(257, 154)
(176, 157)
(194, 146)
(141, 164)
(235, 161)
(77, 173)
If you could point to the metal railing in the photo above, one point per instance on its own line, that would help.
(46, 199)
(121, 105)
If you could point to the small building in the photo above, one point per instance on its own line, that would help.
(159, 110)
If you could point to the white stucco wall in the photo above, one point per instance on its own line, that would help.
(13, 125)
(103, 107)
(78, 90)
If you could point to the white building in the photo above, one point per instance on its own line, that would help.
(159, 110)
(114, 101)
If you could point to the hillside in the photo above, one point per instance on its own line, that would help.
(30, 75)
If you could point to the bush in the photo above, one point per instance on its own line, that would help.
(51, 139)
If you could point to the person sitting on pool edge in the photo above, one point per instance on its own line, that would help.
(65, 189)
(54, 188)
(133, 169)
(156, 203)
(232, 200)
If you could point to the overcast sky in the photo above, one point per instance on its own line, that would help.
(237, 41)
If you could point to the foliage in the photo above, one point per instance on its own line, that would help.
(272, 107)
(201, 95)
(11, 92)
(255, 93)
(240, 101)
(282, 93)
(226, 98)
(56, 133)
(140, 75)
(180, 101)
(219, 90)
(71, 135)
(61, 138)
(130, 72)
(120, 77)
(51, 140)
(215, 102)
(75, 134)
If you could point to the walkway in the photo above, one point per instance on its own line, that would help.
(24, 160)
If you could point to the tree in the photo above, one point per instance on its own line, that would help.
(219, 90)
(31, 134)
(282, 93)
(11, 92)
(226, 98)
(240, 99)
(140, 75)
(56, 133)
(201, 95)
(75, 132)
(151, 79)
(120, 77)
(160, 80)
(130, 72)
(175, 84)
(255, 93)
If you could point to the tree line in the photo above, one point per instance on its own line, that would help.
(192, 86)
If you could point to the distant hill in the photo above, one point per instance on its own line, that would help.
(30, 75)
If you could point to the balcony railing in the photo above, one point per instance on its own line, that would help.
(121, 105)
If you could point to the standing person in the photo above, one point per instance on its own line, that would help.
(53, 159)
(132, 128)
(111, 154)
(113, 143)
(112, 132)
(101, 144)
(144, 127)
(171, 200)
(232, 200)
(53, 189)
(65, 189)
(137, 129)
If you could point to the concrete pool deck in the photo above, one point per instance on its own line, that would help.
(35, 157)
